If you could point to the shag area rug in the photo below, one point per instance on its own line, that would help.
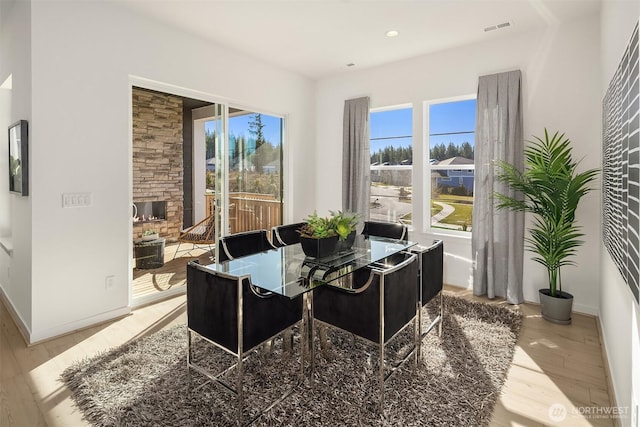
(146, 383)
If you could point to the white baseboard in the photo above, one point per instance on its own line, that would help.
(607, 369)
(34, 338)
(17, 319)
(67, 328)
(585, 309)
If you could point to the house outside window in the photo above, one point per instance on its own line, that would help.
(450, 141)
(450, 170)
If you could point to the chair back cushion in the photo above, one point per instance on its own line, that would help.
(243, 244)
(284, 235)
(390, 230)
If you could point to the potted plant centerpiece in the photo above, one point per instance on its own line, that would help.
(324, 236)
(345, 224)
(552, 189)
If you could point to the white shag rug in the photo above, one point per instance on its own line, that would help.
(146, 383)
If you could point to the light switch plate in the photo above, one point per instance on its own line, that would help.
(76, 200)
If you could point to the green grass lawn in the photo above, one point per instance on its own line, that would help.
(461, 216)
(463, 209)
(435, 208)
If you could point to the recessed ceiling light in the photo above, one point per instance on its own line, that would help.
(392, 33)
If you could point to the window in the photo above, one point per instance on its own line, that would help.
(391, 136)
(449, 166)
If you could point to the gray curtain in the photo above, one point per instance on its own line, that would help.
(356, 157)
(498, 236)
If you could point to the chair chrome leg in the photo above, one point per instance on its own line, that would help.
(419, 341)
(189, 355)
(381, 337)
(441, 314)
(312, 348)
(239, 389)
(308, 334)
(381, 374)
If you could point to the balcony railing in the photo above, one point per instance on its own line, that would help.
(250, 211)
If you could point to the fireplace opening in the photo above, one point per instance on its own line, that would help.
(149, 211)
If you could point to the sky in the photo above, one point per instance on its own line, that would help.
(446, 117)
(457, 116)
(239, 126)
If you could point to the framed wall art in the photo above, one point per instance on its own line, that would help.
(19, 158)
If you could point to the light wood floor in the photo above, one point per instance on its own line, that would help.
(553, 364)
(172, 275)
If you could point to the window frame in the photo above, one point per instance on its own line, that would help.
(427, 168)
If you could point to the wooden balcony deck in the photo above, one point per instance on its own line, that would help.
(170, 276)
(247, 211)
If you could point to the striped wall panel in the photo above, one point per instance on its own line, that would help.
(621, 167)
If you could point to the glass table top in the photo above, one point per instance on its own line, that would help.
(287, 271)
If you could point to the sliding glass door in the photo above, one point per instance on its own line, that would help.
(254, 171)
(239, 167)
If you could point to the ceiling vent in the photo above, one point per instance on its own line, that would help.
(497, 27)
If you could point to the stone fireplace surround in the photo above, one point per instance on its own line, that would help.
(157, 159)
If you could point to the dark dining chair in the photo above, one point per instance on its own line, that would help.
(392, 230)
(242, 244)
(284, 235)
(383, 302)
(227, 311)
(430, 283)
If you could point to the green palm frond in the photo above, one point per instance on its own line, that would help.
(550, 189)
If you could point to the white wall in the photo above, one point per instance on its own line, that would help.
(15, 60)
(83, 54)
(561, 78)
(619, 315)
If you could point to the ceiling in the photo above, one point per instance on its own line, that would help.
(318, 38)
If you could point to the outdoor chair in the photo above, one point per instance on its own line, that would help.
(227, 311)
(392, 230)
(284, 235)
(383, 302)
(200, 234)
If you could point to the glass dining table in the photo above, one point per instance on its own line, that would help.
(289, 272)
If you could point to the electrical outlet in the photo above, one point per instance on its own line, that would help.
(108, 282)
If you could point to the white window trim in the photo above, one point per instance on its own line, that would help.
(428, 167)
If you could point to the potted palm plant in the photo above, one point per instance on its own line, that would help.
(552, 189)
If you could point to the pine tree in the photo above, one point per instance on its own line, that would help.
(256, 129)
